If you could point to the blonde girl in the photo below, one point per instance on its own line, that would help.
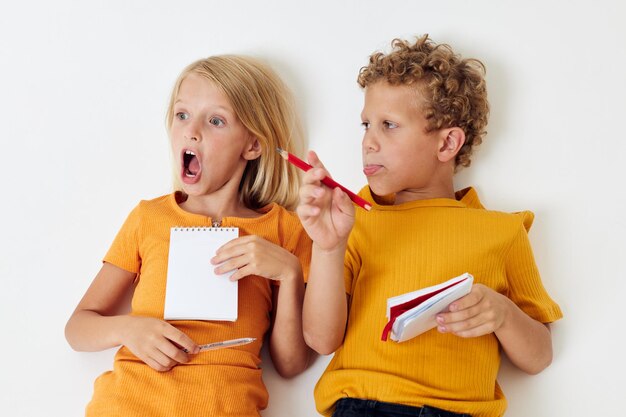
(226, 116)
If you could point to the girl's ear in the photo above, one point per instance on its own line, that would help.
(252, 150)
(450, 143)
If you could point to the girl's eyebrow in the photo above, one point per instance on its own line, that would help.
(226, 109)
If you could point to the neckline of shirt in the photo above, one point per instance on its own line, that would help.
(466, 197)
(265, 212)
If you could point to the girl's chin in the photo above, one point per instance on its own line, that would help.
(192, 189)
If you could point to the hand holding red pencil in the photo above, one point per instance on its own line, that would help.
(327, 181)
(326, 213)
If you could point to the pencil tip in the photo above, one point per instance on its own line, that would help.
(283, 153)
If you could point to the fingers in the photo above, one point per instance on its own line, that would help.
(312, 199)
(181, 342)
(314, 176)
(477, 331)
(461, 321)
(473, 298)
(155, 365)
(156, 342)
(163, 356)
(313, 195)
(161, 362)
(342, 202)
(310, 193)
(234, 248)
(254, 255)
(243, 272)
(476, 314)
(238, 253)
(168, 350)
(314, 160)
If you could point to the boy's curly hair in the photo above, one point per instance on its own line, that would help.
(454, 89)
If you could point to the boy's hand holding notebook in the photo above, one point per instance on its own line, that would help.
(413, 313)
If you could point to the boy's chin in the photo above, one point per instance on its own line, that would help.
(382, 196)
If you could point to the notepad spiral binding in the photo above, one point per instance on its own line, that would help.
(203, 229)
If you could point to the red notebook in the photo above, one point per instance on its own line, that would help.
(413, 313)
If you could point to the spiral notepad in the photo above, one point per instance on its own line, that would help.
(193, 291)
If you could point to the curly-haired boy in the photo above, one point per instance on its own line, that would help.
(425, 110)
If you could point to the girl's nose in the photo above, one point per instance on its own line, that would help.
(193, 132)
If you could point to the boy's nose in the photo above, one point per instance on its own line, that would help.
(369, 143)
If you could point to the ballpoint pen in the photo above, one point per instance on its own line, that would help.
(225, 344)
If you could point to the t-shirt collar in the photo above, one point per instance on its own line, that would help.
(465, 198)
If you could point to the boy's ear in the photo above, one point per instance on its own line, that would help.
(450, 143)
(253, 149)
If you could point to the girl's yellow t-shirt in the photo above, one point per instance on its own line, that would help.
(225, 382)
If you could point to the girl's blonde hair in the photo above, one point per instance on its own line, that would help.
(265, 106)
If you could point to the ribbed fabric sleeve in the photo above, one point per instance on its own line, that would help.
(397, 249)
(224, 382)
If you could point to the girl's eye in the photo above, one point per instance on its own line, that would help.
(389, 125)
(366, 125)
(216, 121)
(182, 116)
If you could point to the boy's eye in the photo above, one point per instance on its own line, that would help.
(182, 116)
(389, 125)
(216, 121)
(366, 125)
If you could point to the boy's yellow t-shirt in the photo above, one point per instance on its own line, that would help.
(395, 249)
(225, 382)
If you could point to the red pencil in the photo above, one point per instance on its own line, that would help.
(327, 181)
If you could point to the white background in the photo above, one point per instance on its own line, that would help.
(83, 93)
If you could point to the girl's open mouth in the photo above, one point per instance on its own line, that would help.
(191, 167)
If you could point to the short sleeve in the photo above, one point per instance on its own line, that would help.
(294, 238)
(526, 289)
(124, 251)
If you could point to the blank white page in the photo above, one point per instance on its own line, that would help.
(193, 290)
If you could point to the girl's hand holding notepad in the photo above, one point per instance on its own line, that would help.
(326, 214)
(253, 255)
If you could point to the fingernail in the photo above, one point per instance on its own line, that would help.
(452, 307)
(440, 319)
(441, 329)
